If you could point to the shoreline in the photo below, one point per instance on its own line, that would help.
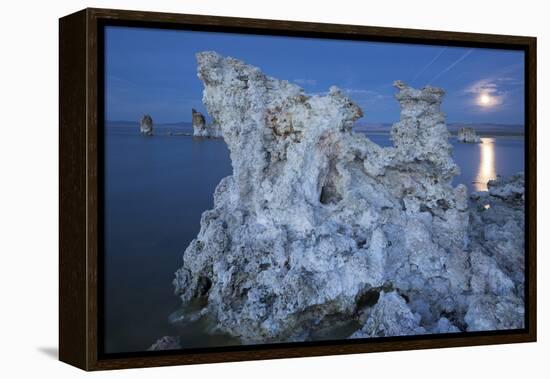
(452, 134)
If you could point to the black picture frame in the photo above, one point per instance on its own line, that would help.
(81, 72)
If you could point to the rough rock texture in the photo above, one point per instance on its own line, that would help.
(201, 129)
(318, 225)
(467, 135)
(390, 316)
(146, 125)
(166, 343)
(498, 261)
(214, 129)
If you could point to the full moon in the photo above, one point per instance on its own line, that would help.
(485, 100)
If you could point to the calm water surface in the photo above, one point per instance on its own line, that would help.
(156, 189)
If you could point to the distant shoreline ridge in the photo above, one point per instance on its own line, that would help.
(482, 129)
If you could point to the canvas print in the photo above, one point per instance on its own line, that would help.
(274, 189)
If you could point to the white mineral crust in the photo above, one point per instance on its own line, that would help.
(316, 218)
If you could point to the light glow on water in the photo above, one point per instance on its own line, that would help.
(486, 170)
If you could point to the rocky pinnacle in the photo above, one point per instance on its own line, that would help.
(318, 226)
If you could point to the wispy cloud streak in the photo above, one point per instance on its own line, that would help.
(428, 65)
(448, 68)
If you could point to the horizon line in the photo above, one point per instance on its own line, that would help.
(356, 123)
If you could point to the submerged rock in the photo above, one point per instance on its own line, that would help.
(146, 125)
(201, 129)
(318, 225)
(166, 343)
(467, 135)
(444, 326)
(390, 316)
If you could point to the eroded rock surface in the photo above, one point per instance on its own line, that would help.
(318, 225)
(201, 128)
(146, 125)
(498, 261)
(467, 135)
(390, 316)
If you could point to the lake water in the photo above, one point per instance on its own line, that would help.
(156, 189)
(481, 162)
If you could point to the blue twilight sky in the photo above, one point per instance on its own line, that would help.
(154, 71)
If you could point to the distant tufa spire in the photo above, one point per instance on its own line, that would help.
(146, 125)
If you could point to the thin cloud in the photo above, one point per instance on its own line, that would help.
(490, 87)
(309, 82)
(450, 67)
(359, 91)
(365, 98)
(318, 93)
(121, 81)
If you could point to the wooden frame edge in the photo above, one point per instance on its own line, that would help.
(72, 189)
(531, 206)
(303, 26)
